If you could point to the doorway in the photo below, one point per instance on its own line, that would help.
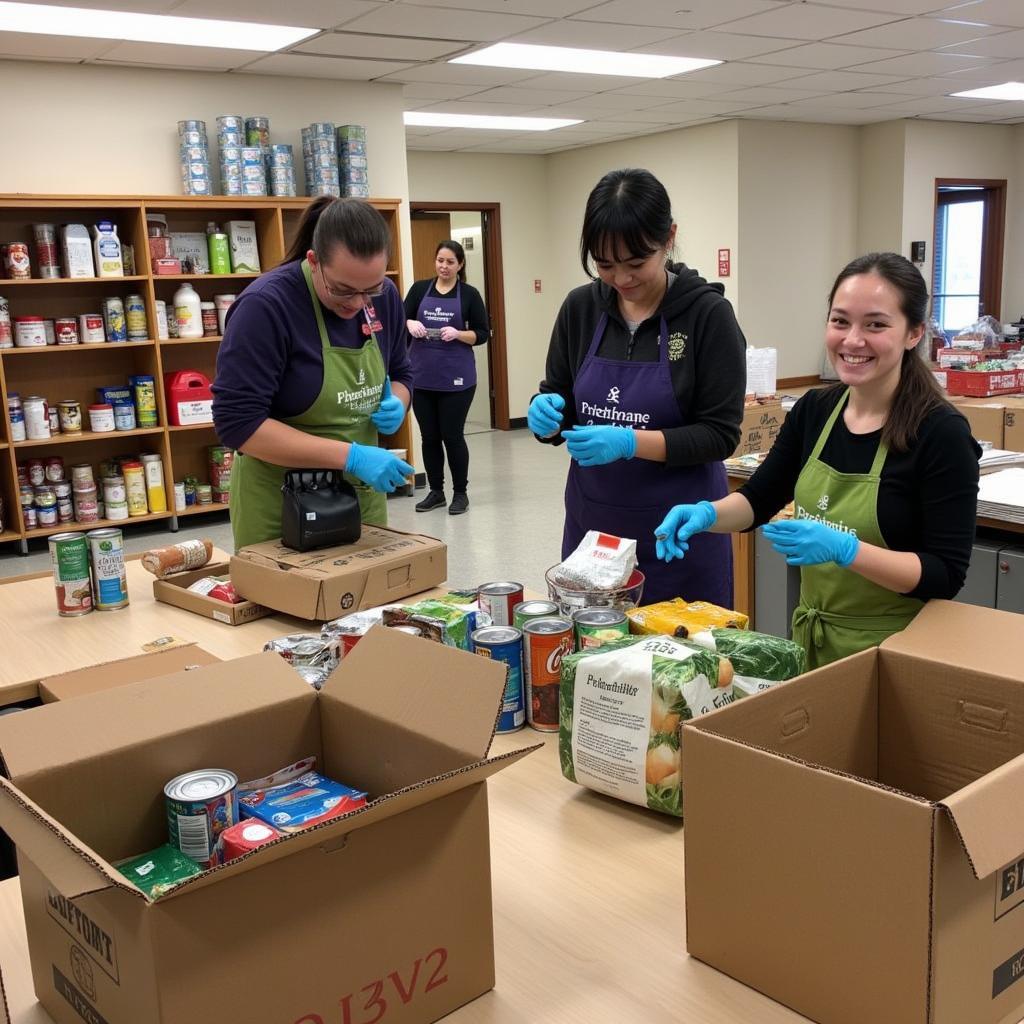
(967, 271)
(477, 227)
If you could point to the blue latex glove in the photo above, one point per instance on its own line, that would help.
(682, 522)
(377, 467)
(544, 416)
(597, 446)
(391, 411)
(808, 542)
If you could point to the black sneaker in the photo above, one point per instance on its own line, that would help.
(434, 499)
(460, 504)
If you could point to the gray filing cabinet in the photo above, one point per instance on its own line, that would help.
(1010, 580)
(995, 577)
(776, 589)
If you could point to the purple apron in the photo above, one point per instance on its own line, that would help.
(442, 365)
(630, 497)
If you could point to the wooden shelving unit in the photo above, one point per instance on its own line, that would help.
(75, 371)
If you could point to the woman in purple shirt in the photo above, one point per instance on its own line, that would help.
(313, 365)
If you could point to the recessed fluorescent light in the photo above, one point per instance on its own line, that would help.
(48, 20)
(425, 118)
(1006, 91)
(591, 62)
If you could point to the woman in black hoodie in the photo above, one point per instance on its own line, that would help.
(645, 379)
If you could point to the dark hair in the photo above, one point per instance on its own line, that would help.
(329, 222)
(917, 393)
(628, 215)
(460, 255)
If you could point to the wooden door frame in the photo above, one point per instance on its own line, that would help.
(992, 242)
(495, 297)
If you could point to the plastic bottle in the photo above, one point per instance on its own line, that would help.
(107, 248)
(188, 312)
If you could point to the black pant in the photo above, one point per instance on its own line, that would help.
(441, 416)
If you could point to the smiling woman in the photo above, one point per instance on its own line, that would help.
(312, 366)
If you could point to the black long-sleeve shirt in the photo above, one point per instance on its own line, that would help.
(706, 353)
(927, 497)
(474, 315)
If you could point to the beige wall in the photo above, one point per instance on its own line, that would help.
(466, 227)
(1013, 265)
(880, 187)
(518, 184)
(797, 228)
(113, 130)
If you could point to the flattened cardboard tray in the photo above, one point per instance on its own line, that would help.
(174, 590)
(381, 567)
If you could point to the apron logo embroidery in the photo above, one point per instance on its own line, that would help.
(676, 346)
(799, 512)
(823, 503)
(613, 396)
(640, 420)
(362, 379)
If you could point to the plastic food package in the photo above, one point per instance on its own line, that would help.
(159, 871)
(600, 562)
(759, 660)
(984, 333)
(680, 618)
(218, 587)
(620, 709)
(308, 801)
(448, 624)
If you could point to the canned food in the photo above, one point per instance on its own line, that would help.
(29, 332)
(135, 318)
(49, 333)
(110, 582)
(30, 517)
(84, 503)
(200, 806)
(135, 488)
(113, 319)
(204, 494)
(179, 496)
(6, 335)
(222, 304)
(47, 514)
(70, 412)
(46, 249)
(36, 472)
(596, 626)
(54, 419)
(16, 415)
(69, 554)
(156, 494)
(144, 393)
(65, 330)
(499, 600)
(37, 418)
(545, 643)
(209, 314)
(81, 473)
(101, 418)
(124, 416)
(45, 496)
(90, 328)
(16, 261)
(505, 643)
(54, 469)
(527, 610)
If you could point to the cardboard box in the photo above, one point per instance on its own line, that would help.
(381, 567)
(1013, 424)
(392, 899)
(983, 383)
(761, 425)
(985, 418)
(854, 838)
(174, 590)
(158, 664)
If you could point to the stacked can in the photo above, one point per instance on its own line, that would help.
(320, 155)
(194, 152)
(230, 140)
(352, 166)
(282, 170)
(254, 171)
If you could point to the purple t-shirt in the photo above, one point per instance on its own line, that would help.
(270, 364)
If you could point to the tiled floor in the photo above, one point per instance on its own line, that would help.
(513, 529)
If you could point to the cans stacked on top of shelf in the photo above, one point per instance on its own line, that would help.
(230, 140)
(194, 153)
(353, 170)
(320, 156)
(282, 170)
(256, 156)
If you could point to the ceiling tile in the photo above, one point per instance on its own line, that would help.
(474, 106)
(970, 116)
(562, 80)
(1008, 45)
(167, 55)
(670, 89)
(919, 34)
(693, 14)
(427, 91)
(442, 23)
(141, 6)
(738, 73)
(592, 35)
(321, 67)
(32, 46)
(310, 13)
(924, 64)
(838, 116)
(762, 95)
(990, 72)
(534, 97)
(807, 21)
(397, 48)
(824, 56)
(895, 7)
(997, 111)
(543, 8)
(416, 130)
(717, 45)
(701, 108)
(910, 107)
(920, 87)
(463, 74)
(843, 81)
(991, 12)
(845, 101)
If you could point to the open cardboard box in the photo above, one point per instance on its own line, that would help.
(854, 837)
(174, 590)
(391, 902)
(760, 427)
(157, 664)
(381, 567)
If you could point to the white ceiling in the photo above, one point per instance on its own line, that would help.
(830, 61)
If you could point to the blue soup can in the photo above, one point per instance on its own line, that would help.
(505, 643)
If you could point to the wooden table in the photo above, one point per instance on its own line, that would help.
(588, 915)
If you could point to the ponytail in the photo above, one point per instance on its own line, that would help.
(329, 222)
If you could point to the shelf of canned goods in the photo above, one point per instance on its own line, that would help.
(89, 362)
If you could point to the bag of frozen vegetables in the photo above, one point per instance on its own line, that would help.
(759, 660)
(620, 709)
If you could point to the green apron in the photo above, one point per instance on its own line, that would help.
(840, 612)
(353, 383)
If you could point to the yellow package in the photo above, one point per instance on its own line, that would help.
(681, 618)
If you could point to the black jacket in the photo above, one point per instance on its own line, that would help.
(707, 359)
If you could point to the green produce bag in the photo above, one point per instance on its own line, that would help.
(759, 660)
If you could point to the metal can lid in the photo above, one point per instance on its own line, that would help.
(536, 608)
(598, 617)
(100, 407)
(55, 537)
(204, 784)
(548, 625)
(500, 587)
(496, 635)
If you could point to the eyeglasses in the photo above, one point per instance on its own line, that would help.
(347, 295)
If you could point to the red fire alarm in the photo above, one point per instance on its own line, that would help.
(536, 284)
(723, 262)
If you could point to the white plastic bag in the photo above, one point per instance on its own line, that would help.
(762, 370)
(600, 562)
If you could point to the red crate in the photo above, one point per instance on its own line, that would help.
(984, 383)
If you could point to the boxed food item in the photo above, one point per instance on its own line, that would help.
(245, 254)
(680, 618)
(1013, 424)
(984, 383)
(192, 249)
(762, 421)
(175, 590)
(354, 899)
(854, 840)
(985, 418)
(382, 567)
